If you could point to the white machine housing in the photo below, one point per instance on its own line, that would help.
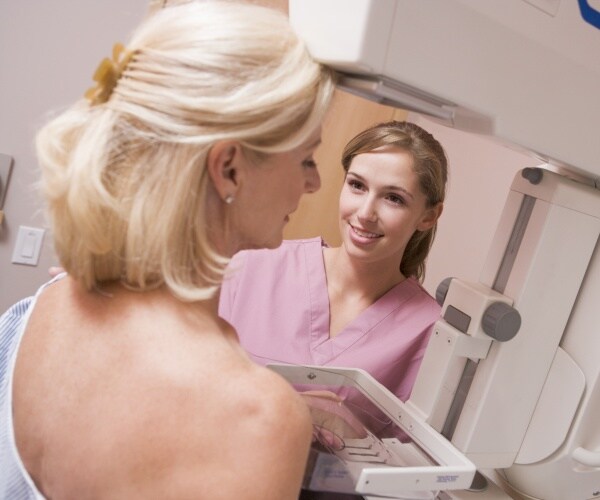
(432, 464)
(527, 73)
(531, 403)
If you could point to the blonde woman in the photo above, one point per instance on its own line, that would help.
(118, 380)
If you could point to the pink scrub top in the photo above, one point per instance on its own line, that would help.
(277, 301)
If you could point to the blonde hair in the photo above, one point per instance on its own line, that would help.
(429, 163)
(125, 181)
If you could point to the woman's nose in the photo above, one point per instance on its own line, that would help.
(367, 211)
(312, 180)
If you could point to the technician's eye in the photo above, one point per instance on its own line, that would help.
(356, 185)
(395, 199)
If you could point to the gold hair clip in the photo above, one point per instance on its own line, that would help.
(107, 74)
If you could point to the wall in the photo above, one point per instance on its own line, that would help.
(48, 53)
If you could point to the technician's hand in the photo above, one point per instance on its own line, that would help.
(333, 422)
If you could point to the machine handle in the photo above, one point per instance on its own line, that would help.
(442, 290)
(586, 457)
(501, 321)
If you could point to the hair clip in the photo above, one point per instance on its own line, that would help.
(107, 74)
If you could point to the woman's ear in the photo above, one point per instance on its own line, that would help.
(224, 168)
(430, 217)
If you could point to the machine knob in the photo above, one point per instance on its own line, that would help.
(442, 291)
(501, 321)
(533, 175)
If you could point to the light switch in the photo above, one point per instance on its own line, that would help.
(28, 246)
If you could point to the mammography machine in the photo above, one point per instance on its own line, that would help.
(511, 377)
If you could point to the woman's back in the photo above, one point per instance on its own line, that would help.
(121, 394)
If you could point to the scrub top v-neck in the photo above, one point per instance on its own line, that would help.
(277, 301)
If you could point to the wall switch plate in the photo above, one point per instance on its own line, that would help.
(5, 169)
(28, 245)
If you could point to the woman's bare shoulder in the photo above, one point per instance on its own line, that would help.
(162, 405)
(247, 436)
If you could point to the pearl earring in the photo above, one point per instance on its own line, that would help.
(229, 199)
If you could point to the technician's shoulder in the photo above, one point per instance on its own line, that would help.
(420, 290)
(422, 299)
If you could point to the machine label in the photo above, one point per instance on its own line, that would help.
(446, 479)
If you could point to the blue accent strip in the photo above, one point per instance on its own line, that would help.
(589, 14)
